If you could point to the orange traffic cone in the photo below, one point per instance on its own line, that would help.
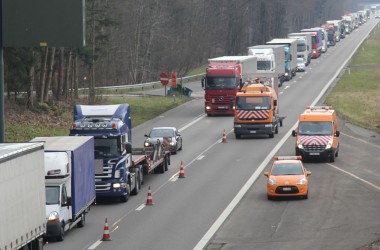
(181, 171)
(106, 234)
(149, 201)
(224, 139)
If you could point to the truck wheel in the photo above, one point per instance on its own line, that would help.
(136, 190)
(61, 235)
(332, 157)
(125, 197)
(271, 135)
(276, 129)
(82, 222)
(166, 163)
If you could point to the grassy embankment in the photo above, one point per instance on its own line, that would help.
(356, 96)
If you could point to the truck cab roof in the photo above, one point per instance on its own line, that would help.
(318, 113)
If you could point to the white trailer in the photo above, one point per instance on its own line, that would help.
(304, 48)
(22, 196)
(270, 61)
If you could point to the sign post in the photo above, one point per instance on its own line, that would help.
(164, 80)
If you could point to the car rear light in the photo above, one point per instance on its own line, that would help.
(276, 158)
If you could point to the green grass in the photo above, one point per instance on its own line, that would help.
(356, 96)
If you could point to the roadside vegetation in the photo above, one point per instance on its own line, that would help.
(22, 125)
(356, 96)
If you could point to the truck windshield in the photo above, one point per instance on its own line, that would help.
(221, 82)
(252, 102)
(314, 40)
(52, 195)
(264, 65)
(315, 128)
(301, 47)
(107, 147)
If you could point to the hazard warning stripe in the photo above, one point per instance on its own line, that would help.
(321, 140)
(256, 114)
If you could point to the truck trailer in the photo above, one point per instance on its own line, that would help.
(22, 196)
(69, 182)
(290, 48)
(224, 77)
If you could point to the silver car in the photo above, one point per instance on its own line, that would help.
(301, 65)
(173, 139)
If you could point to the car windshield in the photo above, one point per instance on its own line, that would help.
(301, 47)
(315, 128)
(157, 133)
(52, 195)
(299, 60)
(253, 102)
(107, 147)
(287, 169)
(221, 82)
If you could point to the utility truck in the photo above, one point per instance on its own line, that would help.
(304, 47)
(224, 76)
(119, 169)
(290, 49)
(22, 196)
(256, 110)
(270, 61)
(69, 182)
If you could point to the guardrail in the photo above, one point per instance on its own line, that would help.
(180, 80)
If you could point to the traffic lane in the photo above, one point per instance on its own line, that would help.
(341, 213)
(185, 209)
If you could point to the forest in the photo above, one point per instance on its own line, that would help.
(133, 41)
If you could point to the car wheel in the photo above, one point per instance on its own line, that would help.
(61, 235)
(237, 136)
(271, 135)
(270, 197)
(276, 129)
(181, 145)
(332, 157)
(82, 221)
(337, 151)
(306, 196)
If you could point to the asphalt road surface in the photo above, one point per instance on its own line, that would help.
(221, 204)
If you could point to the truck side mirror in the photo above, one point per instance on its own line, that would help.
(203, 82)
(274, 102)
(337, 133)
(294, 133)
(128, 147)
(68, 202)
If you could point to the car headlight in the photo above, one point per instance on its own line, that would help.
(329, 144)
(172, 143)
(146, 144)
(302, 181)
(286, 73)
(299, 145)
(271, 182)
(53, 216)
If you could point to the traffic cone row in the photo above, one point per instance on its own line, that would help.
(149, 200)
(106, 234)
(224, 139)
(181, 171)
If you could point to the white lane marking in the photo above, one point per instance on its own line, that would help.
(286, 87)
(96, 243)
(141, 207)
(228, 210)
(192, 122)
(114, 229)
(200, 157)
(354, 176)
(361, 140)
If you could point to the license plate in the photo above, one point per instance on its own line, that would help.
(222, 107)
(286, 189)
(314, 153)
(252, 132)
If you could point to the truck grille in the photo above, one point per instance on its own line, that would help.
(103, 187)
(101, 170)
(221, 100)
(314, 148)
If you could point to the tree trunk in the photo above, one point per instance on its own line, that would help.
(60, 73)
(67, 76)
(49, 76)
(44, 57)
(29, 102)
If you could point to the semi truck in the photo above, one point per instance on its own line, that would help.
(69, 182)
(290, 48)
(256, 110)
(338, 28)
(316, 41)
(270, 61)
(119, 169)
(22, 196)
(348, 23)
(304, 47)
(224, 76)
(331, 37)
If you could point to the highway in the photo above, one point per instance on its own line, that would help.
(204, 209)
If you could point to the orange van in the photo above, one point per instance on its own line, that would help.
(317, 134)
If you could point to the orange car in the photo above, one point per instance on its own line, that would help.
(287, 177)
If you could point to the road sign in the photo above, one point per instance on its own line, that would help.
(164, 78)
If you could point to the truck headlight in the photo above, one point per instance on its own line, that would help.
(329, 144)
(208, 107)
(299, 145)
(172, 143)
(146, 144)
(53, 216)
(302, 181)
(116, 185)
(286, 73)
